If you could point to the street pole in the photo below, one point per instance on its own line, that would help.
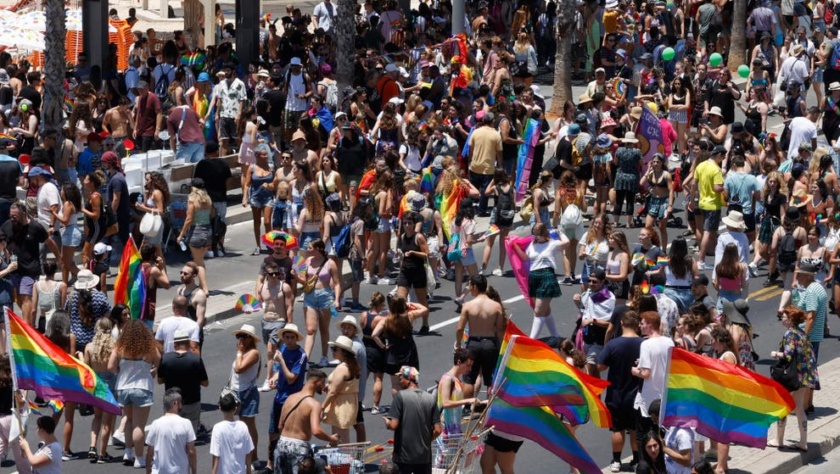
(458, 16)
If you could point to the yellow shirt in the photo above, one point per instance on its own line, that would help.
(610, 20)
(485, 145)
(708, 174)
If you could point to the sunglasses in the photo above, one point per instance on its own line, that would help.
(594, 281)
(274, 274)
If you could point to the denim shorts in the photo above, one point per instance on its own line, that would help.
(318, 299)
(657, 206)
(71, 237)
(261, 198)
(279, 216)
(250, 399)
(467, 257)
(307, 237)
(135, 397)
(384, 225)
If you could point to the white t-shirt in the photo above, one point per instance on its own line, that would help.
(53, 451)
(166, 331)
(412, 156)
(802, 130)
(48, 195)
(325, 13)
(231, 443)
(169, 435)
(679, 439)
(543, 254)
(653, 355)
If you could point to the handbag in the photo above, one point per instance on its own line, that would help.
(430, 277)
(453, 252)
(227, 390)
(784, 372)
(313, 280)
(151, 224)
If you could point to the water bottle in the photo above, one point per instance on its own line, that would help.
(333, 312)
(183, 246)
(13, 258)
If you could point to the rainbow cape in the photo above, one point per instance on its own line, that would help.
(129, 287)
(536, 375)
(449, 206)
(519, 266)
(39, 365)
(541, 425)
(427, 181)
(530, 136)
(366, 182)
(723, 401)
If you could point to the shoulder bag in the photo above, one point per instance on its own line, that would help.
(784, 372)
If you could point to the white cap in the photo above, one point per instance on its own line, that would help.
(101, 248)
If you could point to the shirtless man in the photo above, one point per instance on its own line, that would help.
(119, 121)
(486, 321)
(196, 297)
(277, 300)
(299, 421)
(301, 153)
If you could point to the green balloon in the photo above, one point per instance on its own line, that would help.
(668, 54)
(715, 59)
(744, 71)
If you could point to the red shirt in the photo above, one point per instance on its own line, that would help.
(148, 108)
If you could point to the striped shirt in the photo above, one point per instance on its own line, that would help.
(815, 299)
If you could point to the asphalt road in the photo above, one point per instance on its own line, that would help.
(237, 270)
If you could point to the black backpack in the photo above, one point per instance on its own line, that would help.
(787, 248)
(505, 208)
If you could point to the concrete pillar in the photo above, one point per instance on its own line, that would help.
(164, 8)
(95, 38)
(457, 16)
(209, 22)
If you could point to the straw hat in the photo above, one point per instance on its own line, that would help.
(629, 137)
(292, 328)
(636, 112)
(584, 98)
(344, 343)
(716, 111)
(246, 330)
(735, 220)
(86, 280)
(351, 320)
(801, 198)
(298, 135)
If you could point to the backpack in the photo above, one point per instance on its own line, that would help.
(571, 217)
(787, 249)
(505, 208)
(343, 241)
(834, 61)
(577, 158)
(162, 84)
(331, 98)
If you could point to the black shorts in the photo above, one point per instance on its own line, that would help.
(412, 278)
(227, 128)
(502, 445)
(712, 221)
(584, 173)
(485, 351)
(749, 220)
(375, 360)
(623, 418)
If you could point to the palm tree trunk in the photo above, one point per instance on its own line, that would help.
(563, 61)
(345, 35)
(738, 48)
(52, 113)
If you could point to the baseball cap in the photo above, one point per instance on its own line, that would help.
(101, 248)
(38, 171)
(409, 373)
(204, 77)
(719, 149)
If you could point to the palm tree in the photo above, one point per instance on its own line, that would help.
(738, 47)
(566, 10)
(345, 35)
(52, 112)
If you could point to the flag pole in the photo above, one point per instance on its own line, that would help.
(664, 402)
(11, 353)
(502, 363)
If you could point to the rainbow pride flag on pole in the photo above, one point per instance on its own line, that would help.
(40, 365)
(723, 401)
(129, 288)
(535, 375)
(541, 425)
(449, 204)
(525, 159)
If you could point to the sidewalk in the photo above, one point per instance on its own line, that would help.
(823, 434)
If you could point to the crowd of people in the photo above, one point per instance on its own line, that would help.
(394, 177)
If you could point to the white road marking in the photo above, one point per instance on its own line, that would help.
(454, 320)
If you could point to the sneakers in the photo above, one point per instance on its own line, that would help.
(105, 459)
(92, 453)
(265, 387)
(118, 439)
(256, 251)
(753, 269)
(498, 272)
(209, 254)
(375, 410)
(357, 307)
(220, 253)
(372, 280)
(139, 463)
(568, 281)
(483, 272)
(385, 282)
(128, 457)
(424, 330)
(324, 362)
(615, 466)
(68, 456)
(701, 266)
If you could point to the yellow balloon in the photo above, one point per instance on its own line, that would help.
(653, 107)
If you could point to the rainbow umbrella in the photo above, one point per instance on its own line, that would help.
(269, 237)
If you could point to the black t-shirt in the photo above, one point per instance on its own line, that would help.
(719, 96)
(185, 371)
(352, 157)
(117, 185)
(6, 395)
(620, 355)
(215, 174)
(639, 270)
(276, 101)
(33, 96)
(10, 172)
(563, 152)
(23, 242)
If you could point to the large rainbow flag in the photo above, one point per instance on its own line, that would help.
(723, 401)
(39, 365)
(128, 287)
(449, 204)
(535, 375)
(541, 425)
(530, 137)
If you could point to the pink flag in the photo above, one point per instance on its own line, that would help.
(520, 267)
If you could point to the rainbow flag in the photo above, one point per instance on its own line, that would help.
(536, 375)
(427, 181)
(39, 365)
(56, 405)
(519, 266)
(723, 401)
(530, 136)
(638, 258)
(366, 182)
(449, 206)
(129, 287)
(492, 230)
(33, 407)
(541, 425)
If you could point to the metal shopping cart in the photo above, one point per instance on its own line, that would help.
(345, 458)
(457, 454)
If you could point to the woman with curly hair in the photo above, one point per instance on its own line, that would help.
(156, 200)
(94, 211)
(97, 354)
(81, 124)
(382, 192)
(310, 223)
(386, 132)
(200, 212)
(135, 359)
